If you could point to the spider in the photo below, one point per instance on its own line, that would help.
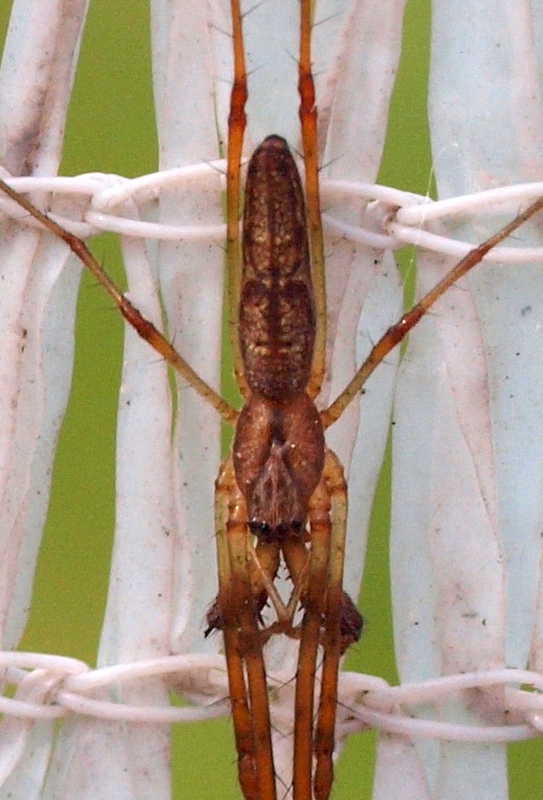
(280, 494)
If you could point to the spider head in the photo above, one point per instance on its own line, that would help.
(278, 457)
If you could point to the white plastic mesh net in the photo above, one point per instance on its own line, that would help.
(467, 463)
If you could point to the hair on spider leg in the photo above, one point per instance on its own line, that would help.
(253, 8)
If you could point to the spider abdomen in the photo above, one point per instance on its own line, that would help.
(276, 313)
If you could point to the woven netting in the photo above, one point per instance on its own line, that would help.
(466, 401)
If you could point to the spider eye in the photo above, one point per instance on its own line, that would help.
(297, 526)
(260, 529)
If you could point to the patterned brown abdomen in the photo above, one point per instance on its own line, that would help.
(277, 320)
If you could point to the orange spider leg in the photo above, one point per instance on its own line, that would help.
(322, 602)
(142, 326)
(308, 121)
(339, 619)
(241, 714)
(396, 333)
(242, 642)
(237, 122)
(266, 558)
(334, 644)
(296, 557)
(314, 609)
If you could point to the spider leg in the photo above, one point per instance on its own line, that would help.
(396, 333)
(243, 642)
(314, 602)
(236, 129)
(308, 121)
(142, 326)
(333, 640)
(330, 619)
(265, 557)
(296, 558)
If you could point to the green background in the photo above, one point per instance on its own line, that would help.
(111, 129)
